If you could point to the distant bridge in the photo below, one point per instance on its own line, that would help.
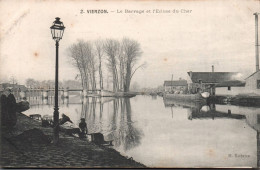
(44, 93)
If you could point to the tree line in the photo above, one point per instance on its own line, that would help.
(50, 84)
(116, 57)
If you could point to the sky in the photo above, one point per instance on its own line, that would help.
(219, 33)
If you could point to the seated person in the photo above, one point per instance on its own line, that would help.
(83, 127)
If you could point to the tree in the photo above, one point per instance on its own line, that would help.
(135, 87)
(31, 83)
(132, 52)
(83, 57)
(13, 80)
(99, 46)
(89, 56)
(71, 84)
(121, 56)
(112, 50)
(73, 51)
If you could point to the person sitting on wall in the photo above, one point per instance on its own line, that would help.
(83, 128)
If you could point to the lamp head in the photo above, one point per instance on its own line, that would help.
(57, 29)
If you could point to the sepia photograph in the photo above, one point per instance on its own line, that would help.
(129, 84)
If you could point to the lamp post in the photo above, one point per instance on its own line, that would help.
(57, 30)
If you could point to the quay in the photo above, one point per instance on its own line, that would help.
(241, 100)
(28, 145)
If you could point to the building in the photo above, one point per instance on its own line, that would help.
(253, 83)
(230, 87)
(209, 81)
(14, 87)
(175, 85)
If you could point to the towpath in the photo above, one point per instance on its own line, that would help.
(27, 146)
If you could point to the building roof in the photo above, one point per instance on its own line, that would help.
(176, 83)
(213, 77)
(253, 74)
(232, 83)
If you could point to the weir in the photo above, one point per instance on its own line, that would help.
(65, 93)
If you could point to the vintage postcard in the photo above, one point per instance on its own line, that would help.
(129, 84)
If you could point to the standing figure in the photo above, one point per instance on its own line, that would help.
(4, 109)
(83, 128)
(11, 106)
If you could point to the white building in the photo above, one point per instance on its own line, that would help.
(175, 85)
(253, 83)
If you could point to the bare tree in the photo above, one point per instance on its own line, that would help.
(132, 52)
(31, 83)
(84, 57)
(112, 49)
(122, 57)
(135, 87)
(138, 67)
(99, 46)
(88, 53)
(122, 68)
(74, 54)
(83, 63)
(13, 80)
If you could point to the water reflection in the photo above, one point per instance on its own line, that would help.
(166, 133)
(118, 127)
(109, 116)
(205, 111)
(212, 111)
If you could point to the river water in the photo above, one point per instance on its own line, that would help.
(160, 133)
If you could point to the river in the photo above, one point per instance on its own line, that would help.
(161, 133)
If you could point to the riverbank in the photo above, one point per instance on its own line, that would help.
(29, 144)
(250, 99)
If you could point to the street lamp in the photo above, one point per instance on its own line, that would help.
(57, 30)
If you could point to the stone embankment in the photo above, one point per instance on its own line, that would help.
(241, 99)
(29, 144)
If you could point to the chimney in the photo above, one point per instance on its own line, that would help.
(212, 68)
(256, 42)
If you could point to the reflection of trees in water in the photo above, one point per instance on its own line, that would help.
(85, 105)
(115, 124)
(89, 113)
(100, 110)
(126, 135)
(133, 136)
(115, 114)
